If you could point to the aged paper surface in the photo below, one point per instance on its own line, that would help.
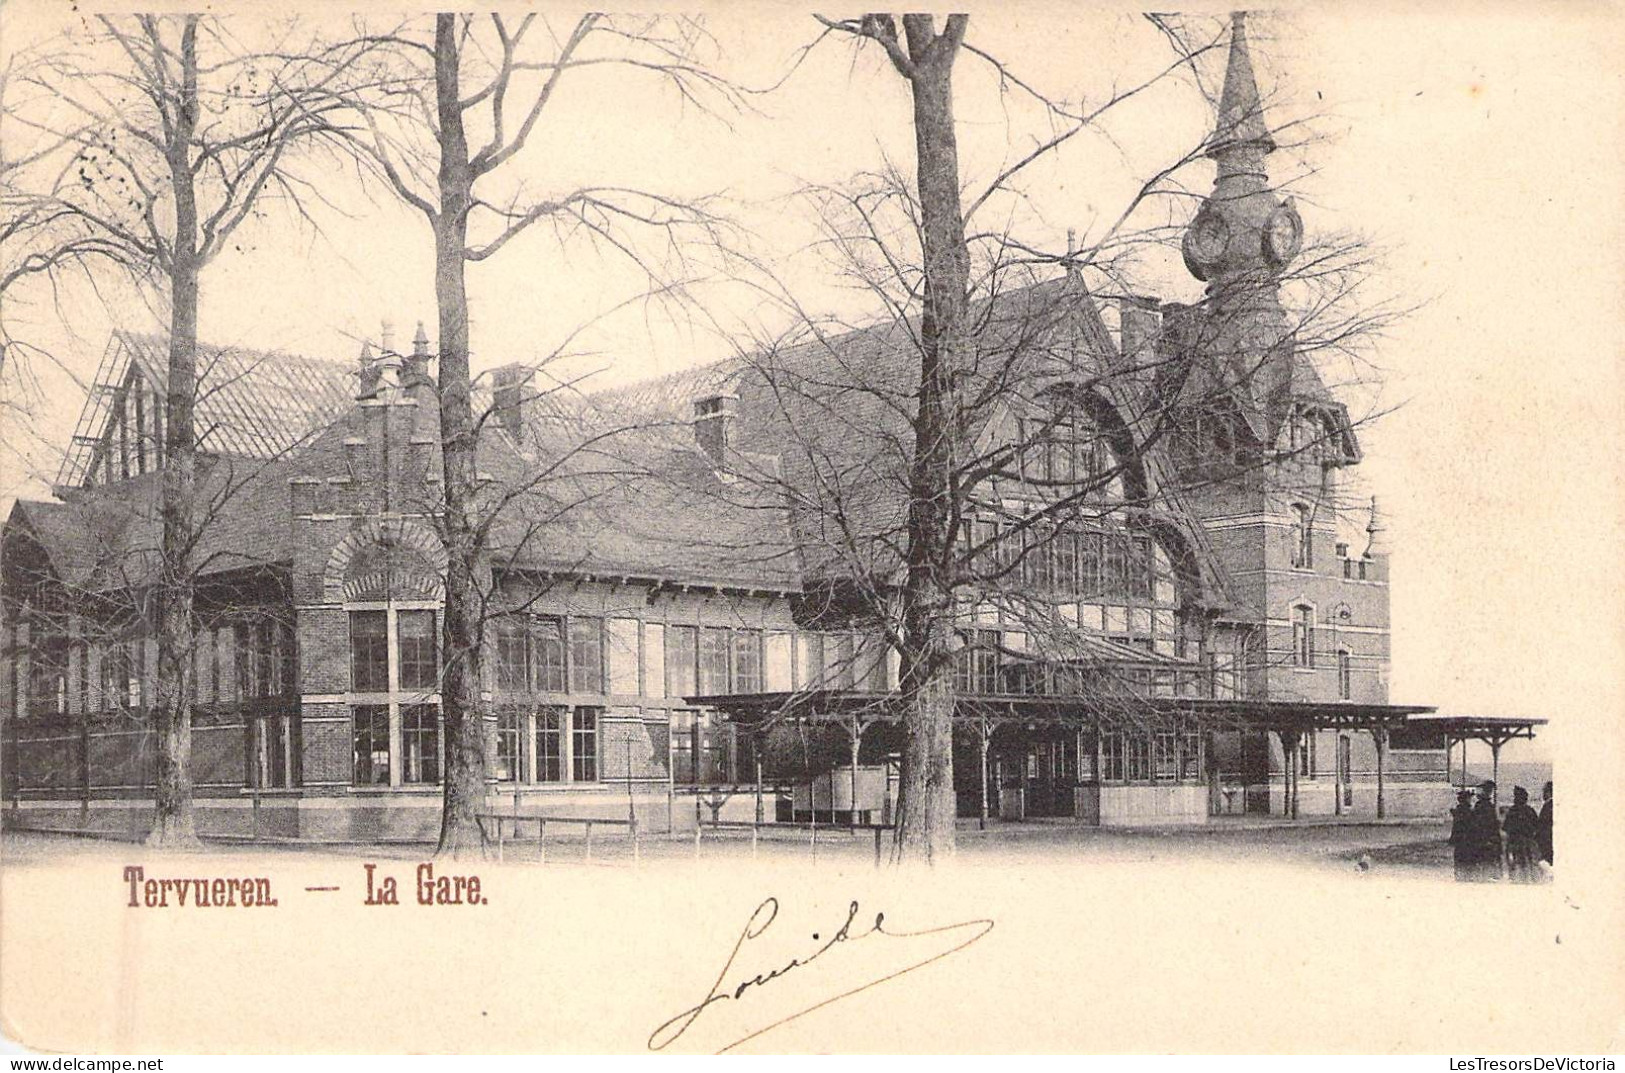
(1485, 145)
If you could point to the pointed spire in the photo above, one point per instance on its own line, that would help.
(1241, 112)
(420, 342)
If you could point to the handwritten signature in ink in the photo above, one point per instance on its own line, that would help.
(739, 987)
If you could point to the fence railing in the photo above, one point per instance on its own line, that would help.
(813, 830)
(502, 828)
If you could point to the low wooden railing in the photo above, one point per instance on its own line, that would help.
(506, 826)
(813, 829)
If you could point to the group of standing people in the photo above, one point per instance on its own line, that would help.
(1487, 846)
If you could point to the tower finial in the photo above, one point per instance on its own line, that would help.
(1376, 530)
(1241, 111)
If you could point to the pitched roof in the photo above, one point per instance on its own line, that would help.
(253, 403)
(834, 410)
(108, 537)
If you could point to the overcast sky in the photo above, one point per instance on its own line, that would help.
(1465, 146)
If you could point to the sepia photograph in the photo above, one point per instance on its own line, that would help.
(733, 528)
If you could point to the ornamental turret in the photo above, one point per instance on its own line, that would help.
(1239, 243)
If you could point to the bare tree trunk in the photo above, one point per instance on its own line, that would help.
(173, 820)
(925, 829)
(460, 684)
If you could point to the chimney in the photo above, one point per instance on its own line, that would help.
(713, 426)
(509, 387)
(415, 367)
(1138, 326)
(370, 373)
(386, 338)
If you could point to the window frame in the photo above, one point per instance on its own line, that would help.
(412, 658)
(368, 656)
(1303, 636)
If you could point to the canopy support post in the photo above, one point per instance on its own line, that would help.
(1379, 735)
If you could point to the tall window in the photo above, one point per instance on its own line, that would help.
(1303, 636)
(681, 653)
(714, 646)
(1089, 562)
(550, 744)
(748, 661)
(370, 735)
(587, 655)
(1166, 756)
(1190, 756)
(415, 638)
(978, 667)
(369, 651)
(420, 743)
(121, 687)
(1115, 581)
(262, 645)
(1345, 675)
(48, 674)
(550, 655)
(1142, 567)
(1303, 537)
(510, 754)
(1112, 757)
(513, 655)
(1139, 757)
(584, 745)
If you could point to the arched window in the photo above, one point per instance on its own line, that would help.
(1303, 537)
(1303, 636)
(1345, 675)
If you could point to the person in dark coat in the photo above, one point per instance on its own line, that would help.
(1486, 836)
(1522, 829)
(1546, 824)
(1461, 836)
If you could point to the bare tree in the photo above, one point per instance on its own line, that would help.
(1015, 421)
(445, 133)
(167, 134)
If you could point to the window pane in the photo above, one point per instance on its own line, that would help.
(370, 736)
(587, 655)
(1089, 563)
(513, 654)
(549, 744)
(1111, 757)
(681, 642)
(711, 743)
(714, 645)
(1139, 757)
(682, 746)
(748, 661)
(1115, 581)
(550, 655)
(420, 743)
(369, 651)
(415, 633)
(584, 745)
(510, 757)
